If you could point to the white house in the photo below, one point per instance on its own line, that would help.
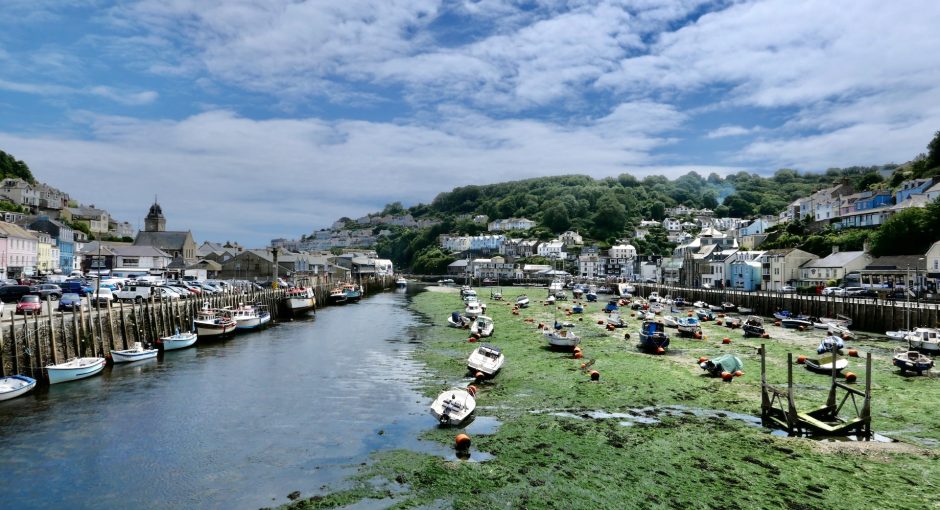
(672, 225)
(622, 251)
(571, 238)
(833, 267)
(511, 224)
(554, 249)
(589, 266)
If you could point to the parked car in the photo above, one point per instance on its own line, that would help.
(788, 288)
(76, 287)
(13, 293)
(179, 289)
(70, 301)
(48, 291)
(165, 293)
(832, 291)
(853, 291)
(104, 295)
(29, 304)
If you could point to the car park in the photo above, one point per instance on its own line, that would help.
(29, 304)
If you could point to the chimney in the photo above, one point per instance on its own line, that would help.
(835, 249)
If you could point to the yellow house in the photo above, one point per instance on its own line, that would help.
(45, 263)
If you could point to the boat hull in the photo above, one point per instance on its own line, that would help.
(300, 306)
(178, 341)
(75, 370)
(453, 407)
(213, 331)
(15, 386)
(130, 356)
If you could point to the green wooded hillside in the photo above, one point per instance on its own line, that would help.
(12, 167)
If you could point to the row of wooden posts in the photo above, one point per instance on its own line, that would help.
(29, 343)
(873, 315)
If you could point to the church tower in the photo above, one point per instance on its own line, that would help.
(155, 222)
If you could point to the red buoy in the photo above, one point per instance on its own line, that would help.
(472, 339)
(660, 350)
(853, 353)
(578, 355)
(765, 335)
(462, 441)
(595, 375)
(850, 377)
(472, 390)
(479, 375)
(801, 359)
(726, 340)
(697, 335)
(702, 359)
(600, 322)
(726, 376)
(738, 373)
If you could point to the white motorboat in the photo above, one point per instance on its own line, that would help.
(550, 300)
(653, 297)
(834, 328)
(135, 353)
(214, 323)
(912, 361)
(246, 317)
(486, 359)
(469, 295)
(454, 406)
(482, 326)
(561, 338)
(700, 304)
(823, 364)
(924, 339)
(656, 308)
(177, 341)
(522, 301)
(15, 386)
(670, 322)
(457, 321)
(615, 320)
(556, 286)
(898, 335)
(474, 308)
(75, 369)
(623, 290)
(401, 282)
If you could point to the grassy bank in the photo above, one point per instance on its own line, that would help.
(677, 438)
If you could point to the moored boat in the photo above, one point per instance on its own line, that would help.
(136, 353)
(486, 359)
(352, 292)
(728, 306)
(337, 296)
(616, 321)
(454, 406)
(577, 308)
(724, 363)
(401, 282)
(732, 322)
(561, 338)
(179, 340)
(482, 326)
(829, 344)
(522, 301)
(924, 339)
(474, 308)
(912, 361)
(704, 314)
(670, 321)
(300, 300)
(653, 337)
(688, 326)
(214, 323)
(75, 369)
(15, 386)
(753, 326)
(796, 322)
(457, 321)
(823, 364)
(246, 317)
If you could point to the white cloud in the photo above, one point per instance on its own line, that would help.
(227, 176)
(726, 131)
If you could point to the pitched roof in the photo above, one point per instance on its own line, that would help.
(13, 230)
(169, 240)
(898, 262)
(839, 259)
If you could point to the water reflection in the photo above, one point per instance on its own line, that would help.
(227, 424)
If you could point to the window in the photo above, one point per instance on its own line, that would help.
(131, 261)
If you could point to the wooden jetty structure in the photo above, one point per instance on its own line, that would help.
(778, 407)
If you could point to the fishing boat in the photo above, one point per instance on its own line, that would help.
(474, 308)
(823, 364)
(454, 406)
(656, 308)
(555, 286)
(716, 308)
(577, 308)
(522, 301)
(912, 361)
(561, 338)
(680, 302)
(300, 300)
(482, 326)
(577, 291)
(688, 326)
(246, 317)
(179, 340)
(653, 337)
(214, 323)
(753, 326)
(704, 314)
(15, 386)
(457, 321)
(625, 290)
(591, 294)
(352, 292)
(829, 344)
(670, 321)
(337, 296)
(75, 369)
(469, 295)
(900, 334)
(136, 353)
(745, 310)
(611, 306)
(560, 295)
(616, 321)
(653, 297)
(782, 314)
(496, 295)
(700, 304)
(550, 300)
(728, 306)
(924, 339)
(724, 363)
(401, 282)
(263, 314)
(840, 331)
(486, 359)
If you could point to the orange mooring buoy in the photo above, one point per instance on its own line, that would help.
(801, 359)
(726, 340)
(462, 441)
(726, 376)
(478, 376)
(578, 355)
(595, 375)
(660, 350)
(738, 373)
(853, 353)
(702, 359)
(850, 377)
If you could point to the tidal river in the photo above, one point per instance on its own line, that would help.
(235, 424)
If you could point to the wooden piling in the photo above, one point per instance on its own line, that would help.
(55, 357)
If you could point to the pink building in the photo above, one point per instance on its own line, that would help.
(18, 251)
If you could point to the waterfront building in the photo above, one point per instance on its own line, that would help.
(97, 220)
(44, 261)
(781, 267)
(912, 187)
(834, 267)
(64, 239)
(18, 251)
(510, 224)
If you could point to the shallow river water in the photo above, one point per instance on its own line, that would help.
(235, 424)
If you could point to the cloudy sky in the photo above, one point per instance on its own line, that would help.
(255, 119)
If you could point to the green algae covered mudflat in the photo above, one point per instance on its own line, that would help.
(653, 432)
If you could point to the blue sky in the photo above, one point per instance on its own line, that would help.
(254, 119)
